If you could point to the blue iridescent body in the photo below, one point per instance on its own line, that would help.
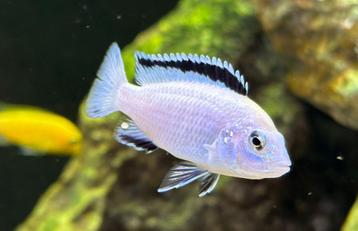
(197, 109)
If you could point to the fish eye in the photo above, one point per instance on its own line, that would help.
(257, 141)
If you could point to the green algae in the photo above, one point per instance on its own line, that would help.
(111, 187)
(325, 71)
(78, 200)
(349, 85)
(222, 28)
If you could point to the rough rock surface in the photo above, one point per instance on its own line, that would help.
(110, 187)
(321, 38)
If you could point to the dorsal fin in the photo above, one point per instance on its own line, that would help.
(129, 134)
(153, 68)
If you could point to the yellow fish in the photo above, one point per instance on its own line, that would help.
(39, 131)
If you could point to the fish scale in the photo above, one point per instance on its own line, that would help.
(196, 108)
(168, 124)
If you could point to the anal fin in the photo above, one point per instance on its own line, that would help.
(208, 183)
(129, 134)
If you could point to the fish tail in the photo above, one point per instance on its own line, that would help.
(103, 98)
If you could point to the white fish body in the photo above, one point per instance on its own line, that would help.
(182, 117)
(196, 118)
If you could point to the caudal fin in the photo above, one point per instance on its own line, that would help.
(103, 97)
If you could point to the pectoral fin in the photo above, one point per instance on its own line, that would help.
(186, 172)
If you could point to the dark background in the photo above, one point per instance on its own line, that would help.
(49, 54)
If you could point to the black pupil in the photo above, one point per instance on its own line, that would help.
(256, 141)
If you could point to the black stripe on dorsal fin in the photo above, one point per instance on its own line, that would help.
(212, 68)
(129, 134)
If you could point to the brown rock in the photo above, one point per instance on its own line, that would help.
(321, 38)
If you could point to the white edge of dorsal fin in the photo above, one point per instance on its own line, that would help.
(155, 68)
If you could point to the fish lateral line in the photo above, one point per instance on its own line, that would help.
(240, 149)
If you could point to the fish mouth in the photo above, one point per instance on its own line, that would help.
(282, 167)
(270, 172)
(276, 170)
(283, 164)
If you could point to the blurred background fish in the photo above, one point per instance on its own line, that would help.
(38, 131)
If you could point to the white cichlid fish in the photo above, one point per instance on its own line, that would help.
(197, 109)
